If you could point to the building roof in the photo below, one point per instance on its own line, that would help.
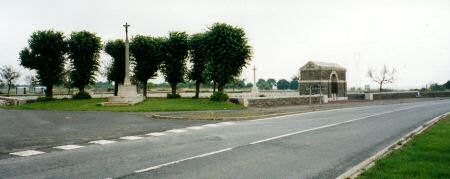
(311, 65)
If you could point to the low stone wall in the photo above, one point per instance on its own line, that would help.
(280, 101)
(395, 95)
(9, 101)
(435, 94)
(356, 96)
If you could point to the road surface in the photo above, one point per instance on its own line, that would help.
(310, 145)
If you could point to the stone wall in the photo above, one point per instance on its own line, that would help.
(9, 101)
(283, 101)
(435, 94)
(395, 95)
(356, 96)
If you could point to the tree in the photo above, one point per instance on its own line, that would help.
(447, 85)
(84, 51)
(227, 51)
(283, 84)
(437, 87)
(174, 65)
(263, 84)
(9, 75)
(272, 82)
(385, 76)
(198, 58)
(45, 54)
(294, 83)
(116, 72)
(148, 54)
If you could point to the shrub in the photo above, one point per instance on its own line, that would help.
(218, 96)
(82, 95)
(44, 99)
(262, 95)
(170, 96)
(234, 100)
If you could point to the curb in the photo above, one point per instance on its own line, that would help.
(370, 162)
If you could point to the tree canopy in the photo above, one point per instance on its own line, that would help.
(293, 85)
(45, 54)
(263, 84)
(227, 51)
(174, 65)
(84, 51)
(283, 84)
(148, 54)
(198, 58)
(116, 72)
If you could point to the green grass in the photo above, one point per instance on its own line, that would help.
(426, 156)
(151, 104)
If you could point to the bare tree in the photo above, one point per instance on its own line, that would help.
(9, 75)
(385, 76)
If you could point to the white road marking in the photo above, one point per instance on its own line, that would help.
(195, 127)
(330, 125)
(211, 125)
(182, 160)
(27, 153)
(227, 123)
(102, 142)
(156, 134)
(177, 130)
(68, 147)
(131, 137)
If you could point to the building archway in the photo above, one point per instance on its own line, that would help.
(334, 84)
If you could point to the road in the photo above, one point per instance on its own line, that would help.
(310, 145)
(31, 129)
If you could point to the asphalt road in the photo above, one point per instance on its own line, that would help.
(32, 129)
(311, 145)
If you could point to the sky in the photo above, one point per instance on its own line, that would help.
(411, 35)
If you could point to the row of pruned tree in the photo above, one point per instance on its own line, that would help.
(281, 84)
(217, 55)
(48, 51)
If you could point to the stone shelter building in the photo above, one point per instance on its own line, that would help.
(323, 78)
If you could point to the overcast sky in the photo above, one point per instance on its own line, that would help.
(411, 35)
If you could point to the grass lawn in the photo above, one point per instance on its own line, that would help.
(426, 156)
(151, 104)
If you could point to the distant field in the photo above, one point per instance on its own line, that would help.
(150, 105)
(427, 156)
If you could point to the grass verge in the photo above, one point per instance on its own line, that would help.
(426, 156)
(149, 105)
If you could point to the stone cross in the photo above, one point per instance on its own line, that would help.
(255, 90)
(254, 75)
(127, 57)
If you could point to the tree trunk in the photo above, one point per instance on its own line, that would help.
(81, 89)
(116, 88)
(174, 88)
(214, 89)
(144, 92)
(49, 91)
(381, 87)
(220, 88)
(197, 89)
(9, 88)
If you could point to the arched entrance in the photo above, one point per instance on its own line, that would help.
(334, 86)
